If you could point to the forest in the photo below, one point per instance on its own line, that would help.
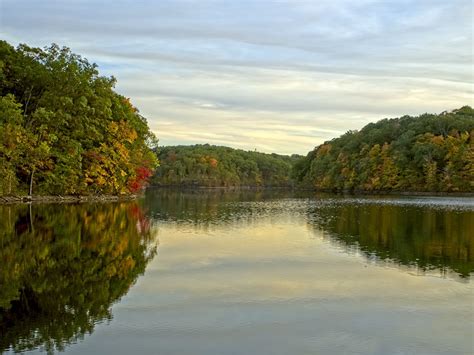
(64, 130)
(424, 153)
(216, 166)
(432, 153)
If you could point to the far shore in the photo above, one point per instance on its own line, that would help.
(203, 189)
(328, 191)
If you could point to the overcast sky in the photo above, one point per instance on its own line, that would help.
(276, 76)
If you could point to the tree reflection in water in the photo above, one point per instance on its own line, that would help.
(63, 266)
(426, 238)
(405, 232)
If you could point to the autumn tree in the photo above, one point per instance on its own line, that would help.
(64, 130)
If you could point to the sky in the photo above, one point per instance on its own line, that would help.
(275, 76)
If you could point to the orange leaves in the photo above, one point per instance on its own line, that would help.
(213, 162)
(142, 174)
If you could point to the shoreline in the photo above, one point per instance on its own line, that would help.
(64, 199)
(399, 193)
(115, 198)
(317, 191)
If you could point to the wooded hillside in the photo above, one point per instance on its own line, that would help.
(216, 166)
(424, 153)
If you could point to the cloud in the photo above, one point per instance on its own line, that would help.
(278, 76)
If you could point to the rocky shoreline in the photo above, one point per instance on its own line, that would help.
(65, 199)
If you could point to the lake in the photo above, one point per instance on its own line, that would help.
(239, 272)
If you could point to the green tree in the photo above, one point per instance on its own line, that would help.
(78, 136)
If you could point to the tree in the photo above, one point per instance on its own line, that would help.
(72, 133)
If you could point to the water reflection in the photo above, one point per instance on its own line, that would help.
(63, 266)
(410, 234)
(235, 265)
(424, 233)
(212, 207)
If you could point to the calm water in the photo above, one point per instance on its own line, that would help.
(239, 273)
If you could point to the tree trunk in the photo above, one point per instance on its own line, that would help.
(31, 182)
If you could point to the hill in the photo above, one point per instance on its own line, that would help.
(425, 153)
(216, 166)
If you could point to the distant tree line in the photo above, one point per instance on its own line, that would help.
(216, 166)
(64, 130)
(424, 153)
